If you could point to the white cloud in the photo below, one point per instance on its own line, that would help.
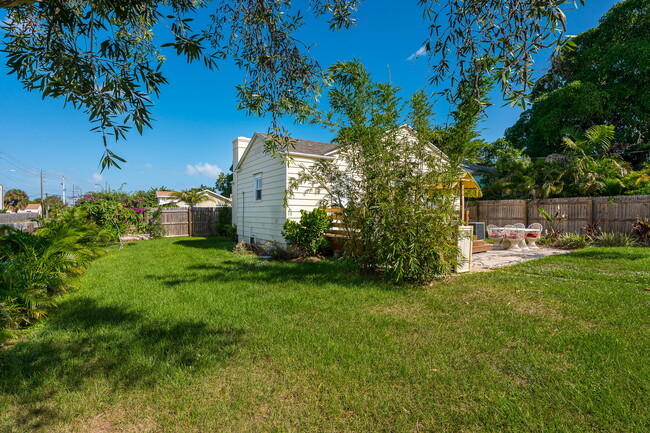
(98, 177)
(148, 166)
(202, 169)
(422, 51)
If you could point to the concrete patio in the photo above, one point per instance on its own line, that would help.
(494, 259)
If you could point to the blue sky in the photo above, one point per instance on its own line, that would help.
(196, 116)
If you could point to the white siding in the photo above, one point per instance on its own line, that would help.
(307, 196)
(262, 219)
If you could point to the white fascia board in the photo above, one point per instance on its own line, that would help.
(309, 155)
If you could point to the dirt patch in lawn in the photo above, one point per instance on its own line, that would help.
(120, 421)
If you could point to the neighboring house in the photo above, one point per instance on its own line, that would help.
(260, 182)
(212, 199)
(165, 197)
(33, 209)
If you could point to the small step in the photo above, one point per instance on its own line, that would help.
(480, 246)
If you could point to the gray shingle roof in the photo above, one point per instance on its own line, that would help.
(309, 147)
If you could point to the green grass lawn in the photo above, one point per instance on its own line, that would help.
(180, 335)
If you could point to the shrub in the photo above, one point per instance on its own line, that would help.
(121, 213)
(610, 239)
(570, 241)
(224, 221)
(37, 268)
(592, 230)
(553, 230)
(308, 235)
(641, 230)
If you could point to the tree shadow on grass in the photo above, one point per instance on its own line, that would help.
(210, 243)
(84, 341)
(261, 271)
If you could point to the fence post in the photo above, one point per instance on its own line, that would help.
(525, 203)
(189, 221)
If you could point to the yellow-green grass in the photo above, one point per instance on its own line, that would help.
(180, 335)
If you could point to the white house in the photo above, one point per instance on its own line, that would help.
(260, 182)
(33, 209)
(212, 199)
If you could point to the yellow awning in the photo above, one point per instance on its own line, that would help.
(470, 186)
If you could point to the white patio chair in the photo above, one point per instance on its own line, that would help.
(496, 234)
(532, 237)
(522, 241)
(514, 236)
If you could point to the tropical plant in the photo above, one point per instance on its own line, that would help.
(592, 229)
(308, 234)
(570, 241)
(16, 200)
(553, 230)
(641, 229)
(37, 268)
(614, 239)
(584, 168)
(190, 197)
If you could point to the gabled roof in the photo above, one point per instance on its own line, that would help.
(216, 195)
(307, 147)
(167, 194)
(33, 206)
(297, 146)
(319, 149)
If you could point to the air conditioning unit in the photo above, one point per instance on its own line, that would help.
(479, 230)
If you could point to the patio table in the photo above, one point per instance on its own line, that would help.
(516, 237)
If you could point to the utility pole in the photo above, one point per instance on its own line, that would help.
(63, 190)
(42, 204)
(47, 208)
(73, 191)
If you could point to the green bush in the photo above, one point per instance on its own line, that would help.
(38, 268)
(308, 235)
(120, 213)
(570, 241)
(641, 230)
(610, 239)
(224, 222)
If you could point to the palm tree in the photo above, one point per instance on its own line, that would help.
(16, 199)
(190, 197)
(588, 169)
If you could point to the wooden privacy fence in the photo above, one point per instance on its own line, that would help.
(616, 214)
(189, 222)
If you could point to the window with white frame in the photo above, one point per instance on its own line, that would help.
(258, 187)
